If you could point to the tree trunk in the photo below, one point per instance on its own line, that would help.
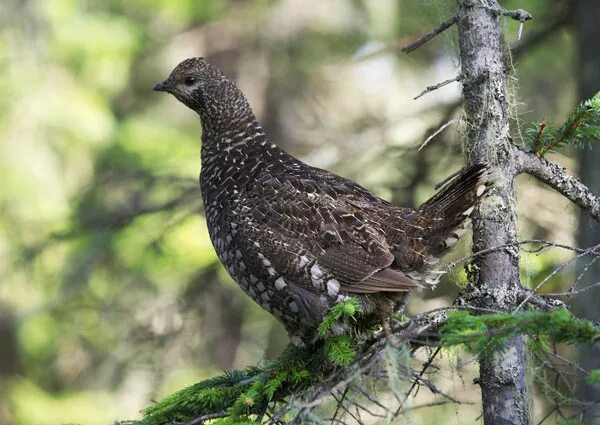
(496, 277)
(587, 16)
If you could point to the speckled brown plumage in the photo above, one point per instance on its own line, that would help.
(298, 239)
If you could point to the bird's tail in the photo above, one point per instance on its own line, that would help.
(448, 212)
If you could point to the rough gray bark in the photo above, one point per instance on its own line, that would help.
(587, 15)
(495, 280)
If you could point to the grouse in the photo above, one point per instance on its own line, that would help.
(299, 239)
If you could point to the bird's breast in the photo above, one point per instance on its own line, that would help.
(275, 289)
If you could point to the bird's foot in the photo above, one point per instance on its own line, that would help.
(387, 329)
(297, 341)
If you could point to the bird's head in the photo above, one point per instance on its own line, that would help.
(203, 88)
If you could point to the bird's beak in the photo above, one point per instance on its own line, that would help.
(162, 86)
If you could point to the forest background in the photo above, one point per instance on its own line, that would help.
(111, 295)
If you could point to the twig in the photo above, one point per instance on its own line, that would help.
(368, 397)
(412, 45)
(547, 416)
(434, 404)
(544, 358)
(558, 179)
(364, 408)
(340, 402)
(435, 390)
(551, 275)
(537, 144)
(207, 417)
(426, 37)
(544, 245)
(571, 293)
(429, 89)
(326, 391)
(435, 133)
(426, 366)
(582, 273)
(563, 359)
(345, 409)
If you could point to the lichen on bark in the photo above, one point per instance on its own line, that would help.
(483, 69)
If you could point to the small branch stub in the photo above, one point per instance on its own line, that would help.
(429, 89)
(518, 15)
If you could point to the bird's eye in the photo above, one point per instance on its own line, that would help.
(189, 81)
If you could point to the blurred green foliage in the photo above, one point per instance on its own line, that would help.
(111, 293)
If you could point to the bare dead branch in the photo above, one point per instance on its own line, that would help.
(432, 404)
(339, 403)
(364, 408)
(547, 416)
(426, 37)
(435, 133)
(590, 251)
(558, 179)
(429, 89)
(435, 390)
(410, 46)
(544, 245)
(570, 292)
(368, 396)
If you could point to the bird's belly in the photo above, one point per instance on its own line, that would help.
(275, 292)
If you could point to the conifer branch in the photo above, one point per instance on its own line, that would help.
(581, 127)
(291, 387)
(485, 332)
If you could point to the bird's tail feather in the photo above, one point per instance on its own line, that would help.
(448, 211)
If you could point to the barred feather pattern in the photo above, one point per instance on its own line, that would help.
(298, 239)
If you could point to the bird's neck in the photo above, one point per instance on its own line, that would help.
(232, 139)
(234, 152)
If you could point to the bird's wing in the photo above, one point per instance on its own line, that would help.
(362, 272)
(331, 220)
